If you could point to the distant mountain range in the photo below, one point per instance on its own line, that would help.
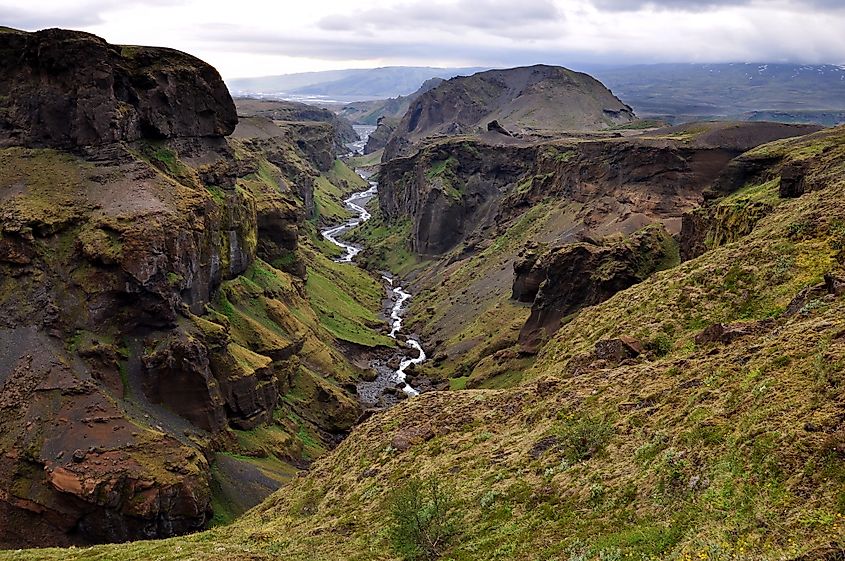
(755, 91)
(674, 92)
(346, 85)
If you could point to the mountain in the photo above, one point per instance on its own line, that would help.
(371, 83)
(167, 354)
(685, 92)
(533, 100)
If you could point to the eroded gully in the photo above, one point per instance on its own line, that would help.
(397, 296)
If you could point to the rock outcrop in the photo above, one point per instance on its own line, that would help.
(745, 192)
(534, 99)
(582, 274)
(379, 138)
(293, 112)
(66, 89)
(127, 223)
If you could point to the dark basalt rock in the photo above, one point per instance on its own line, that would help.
(378, 138)
(792, 181)
(61, 88)
(496, 126)
(527, 279)
(579, 275)
(619, 349)
(728, 333)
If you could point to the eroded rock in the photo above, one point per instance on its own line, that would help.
(580, 274)
(65, 89)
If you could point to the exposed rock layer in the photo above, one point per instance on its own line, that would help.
(66, 88)
(582, 274)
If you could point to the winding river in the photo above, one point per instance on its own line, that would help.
(396, 294)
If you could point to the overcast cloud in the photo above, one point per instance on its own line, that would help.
(259, 37)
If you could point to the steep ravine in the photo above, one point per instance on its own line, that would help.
(370, 391)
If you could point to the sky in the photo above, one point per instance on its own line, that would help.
(244, 38)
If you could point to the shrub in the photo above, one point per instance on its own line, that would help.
(583, 437)
(424, 519)
(661, 345)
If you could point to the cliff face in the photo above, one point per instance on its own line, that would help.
(565, 279)
(65, 88)
(379, 138)
(448, 188)
(143, 323)
(535, 99)
(294, 112)
(451, 187)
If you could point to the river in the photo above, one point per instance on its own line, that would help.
(397, 296)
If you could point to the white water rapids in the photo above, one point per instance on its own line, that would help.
(399, 296)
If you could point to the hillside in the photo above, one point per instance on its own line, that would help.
(719, 438)
(536, 99)
(169, 357)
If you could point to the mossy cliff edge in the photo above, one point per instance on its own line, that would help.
(166, 359)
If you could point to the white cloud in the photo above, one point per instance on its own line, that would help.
(262, 37)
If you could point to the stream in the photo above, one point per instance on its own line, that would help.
(396, 295)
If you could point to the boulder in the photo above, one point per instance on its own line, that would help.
(496, 126)
(619, 349)
(411, 436)
(727, 333)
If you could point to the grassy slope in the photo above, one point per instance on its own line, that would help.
(386, 245)
(718, 452)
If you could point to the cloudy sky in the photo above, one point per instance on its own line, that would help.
(263, 37)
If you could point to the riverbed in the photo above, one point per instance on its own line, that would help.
(397, 298)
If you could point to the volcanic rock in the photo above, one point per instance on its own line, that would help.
(62, 88)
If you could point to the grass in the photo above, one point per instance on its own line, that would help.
(330, 190)
(716, 452)
(387, 246)
(442, 173)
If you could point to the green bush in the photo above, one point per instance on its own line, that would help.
(583, 437)
(424, 519)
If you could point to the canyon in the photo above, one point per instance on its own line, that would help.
(624, 339)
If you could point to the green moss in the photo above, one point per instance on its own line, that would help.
(160, 155)
(330, 288)
(443, 174)
(387, 245)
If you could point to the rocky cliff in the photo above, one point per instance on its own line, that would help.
(451, 187)
(293, 112)
(528, 100)
(144, 324)
(65, 89)
(565, 279)
(379, 138)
